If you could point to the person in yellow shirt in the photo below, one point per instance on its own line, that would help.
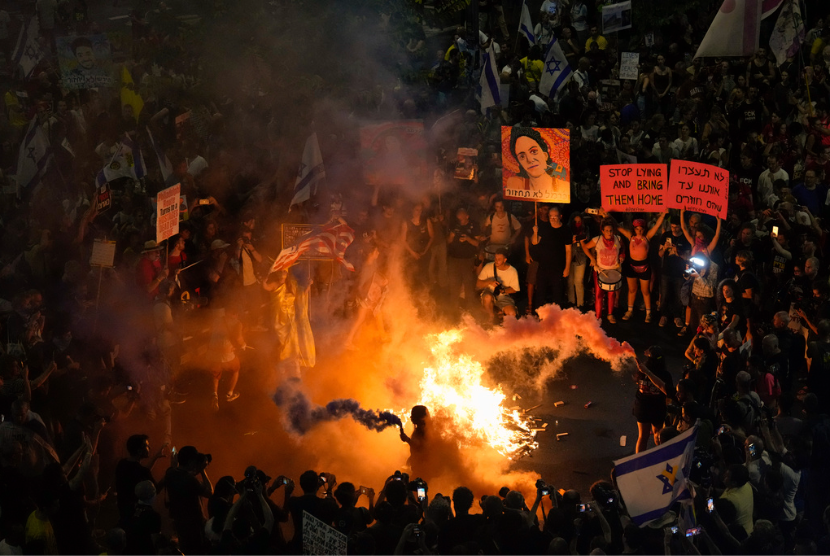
(533, 66)
(40, 536)
(597, 38)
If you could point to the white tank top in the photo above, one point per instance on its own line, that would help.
(607, 259)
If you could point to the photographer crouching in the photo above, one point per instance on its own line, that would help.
(186, 481)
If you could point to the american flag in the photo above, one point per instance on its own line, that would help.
(332, 239)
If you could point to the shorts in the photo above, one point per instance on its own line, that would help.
(650, 411)
(636, 269)
(231, 366)
(500, 302)
(532, 268)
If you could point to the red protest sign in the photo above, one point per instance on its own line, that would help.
(698, 187)
(167, 212)
(633, 187)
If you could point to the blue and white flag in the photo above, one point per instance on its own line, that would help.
(556, 72)
(139, 167)
(34, 156)
(489, 81)
(27, 52)
(526, 25)
(164, 163)
(651, 481)
(311, 171)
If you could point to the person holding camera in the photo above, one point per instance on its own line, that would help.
(704, 273)
(186, 481)
(497, 281)
(323, 509)
(244, 534)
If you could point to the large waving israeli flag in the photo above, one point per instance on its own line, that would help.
(651, 481)
(557, 72)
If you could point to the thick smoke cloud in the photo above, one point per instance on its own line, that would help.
(300, 415)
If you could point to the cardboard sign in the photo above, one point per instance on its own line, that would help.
(616, 17)
(633, 187)
(104, 198)
(536, 164)
(319, 538)
(466, 166)
(103, 253)
(167, 212)
(698, 187)
(630, 65)
(291, 234)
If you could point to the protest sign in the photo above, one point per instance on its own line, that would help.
(633, 187)
(616, 17)
(630, 65)
(536, 164)
(167, 212)
(698, 187)
(86, 61)
(466, 165)
(103, 253)
(319, 538)
(104, 198)
(394, 153)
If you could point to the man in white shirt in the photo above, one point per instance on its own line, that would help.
(774, 171)
(503, 227)
(498, 280)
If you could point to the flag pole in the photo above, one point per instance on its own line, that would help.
(518, 31)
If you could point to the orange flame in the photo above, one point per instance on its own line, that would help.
(453, 388)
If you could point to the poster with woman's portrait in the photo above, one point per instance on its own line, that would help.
(536, 164)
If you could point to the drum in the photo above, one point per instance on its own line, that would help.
(610, 280)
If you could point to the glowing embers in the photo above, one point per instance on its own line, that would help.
(452, 388)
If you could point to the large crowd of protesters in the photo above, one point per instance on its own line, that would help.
(85, 347)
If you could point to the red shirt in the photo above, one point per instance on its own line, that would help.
(146, 272)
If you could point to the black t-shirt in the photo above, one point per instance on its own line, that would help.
(728, 311)
(751, 116)
(458, 249)
(140, 528)
(459, 530)
(323, 509)
(674, 265)
(128, 474)
(183, 491)
(550, 251)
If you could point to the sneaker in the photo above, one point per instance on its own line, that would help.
(611, 319)
(663, 321)
(628, 314)
(215, 403)
(648, 317)
(231, 396)
(678, 322)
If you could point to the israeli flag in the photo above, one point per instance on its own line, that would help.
(311, 173)
(34, 156)
(651, 481)
(489, 81)
(526, 25)
(556, 72)
(27, 52)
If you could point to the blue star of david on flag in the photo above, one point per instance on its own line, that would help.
(557, 71)
(555, 68)
(668, 478)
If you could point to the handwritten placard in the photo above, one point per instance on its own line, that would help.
(633, 187)
(103, 253)
(167, 212)
(319, 538)
(698, 187)
(630, 65)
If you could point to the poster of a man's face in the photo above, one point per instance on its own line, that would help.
(536, 164)
(85, 62)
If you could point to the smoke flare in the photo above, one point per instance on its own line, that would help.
(301, 415)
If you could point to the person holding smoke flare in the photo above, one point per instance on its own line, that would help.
(654, 385)
(419, 441)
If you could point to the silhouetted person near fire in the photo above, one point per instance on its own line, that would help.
(419, 441)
